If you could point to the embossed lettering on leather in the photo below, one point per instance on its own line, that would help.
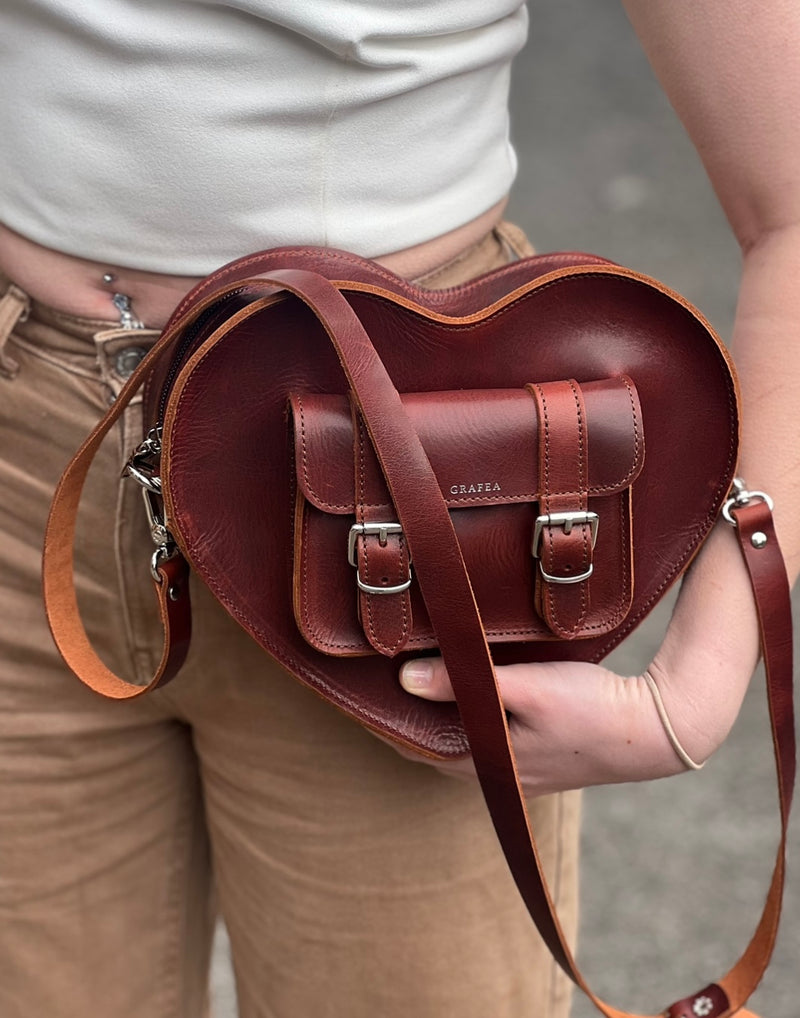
(467, 434)
(227, 439)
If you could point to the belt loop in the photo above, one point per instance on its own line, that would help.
(514, 241)
(15, 306)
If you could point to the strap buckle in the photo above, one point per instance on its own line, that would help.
(382, 530)
(566, 521)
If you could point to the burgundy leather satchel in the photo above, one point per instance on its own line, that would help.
(361, 470)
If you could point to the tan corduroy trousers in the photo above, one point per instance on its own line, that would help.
(354, 884)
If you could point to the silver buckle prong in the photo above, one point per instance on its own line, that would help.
(382, 530)
(565, 520)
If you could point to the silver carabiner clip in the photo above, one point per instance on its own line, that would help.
(739, 497)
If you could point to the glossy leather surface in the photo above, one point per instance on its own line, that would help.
(483, 446)
(230, 443)
(380, 413)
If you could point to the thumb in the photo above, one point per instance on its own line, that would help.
(427, 677)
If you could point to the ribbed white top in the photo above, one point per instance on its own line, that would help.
(174, 135)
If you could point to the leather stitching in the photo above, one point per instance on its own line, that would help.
(556, 625)
(200, 561)
(582, 472)
(375, 638)
(525, 496)
(638, 436)
(334, 693)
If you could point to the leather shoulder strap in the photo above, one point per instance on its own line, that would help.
(451, 606)
(60, 597)
(170, 574)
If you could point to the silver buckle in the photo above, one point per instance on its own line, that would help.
(382, 530)
(566, 521)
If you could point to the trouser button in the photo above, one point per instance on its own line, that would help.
(128, 360)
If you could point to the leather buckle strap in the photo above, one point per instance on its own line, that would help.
(565, 533)
(566, 521)
(381, 531)
(380, 553)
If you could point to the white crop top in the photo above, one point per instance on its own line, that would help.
(174, 135)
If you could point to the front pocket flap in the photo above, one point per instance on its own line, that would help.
(482, 444)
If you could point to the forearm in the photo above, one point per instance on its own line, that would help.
(578, 725)
(766, 348)
(714, 631)
(731, 69)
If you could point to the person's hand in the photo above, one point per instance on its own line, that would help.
(576, 724)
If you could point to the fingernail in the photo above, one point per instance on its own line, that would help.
(416, 676)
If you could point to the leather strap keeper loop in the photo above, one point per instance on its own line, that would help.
(567, 539)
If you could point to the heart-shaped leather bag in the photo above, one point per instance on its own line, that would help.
(361, 470)
(259, 432)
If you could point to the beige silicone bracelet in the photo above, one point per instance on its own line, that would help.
(665, 721)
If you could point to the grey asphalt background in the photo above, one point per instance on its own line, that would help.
(674, 872)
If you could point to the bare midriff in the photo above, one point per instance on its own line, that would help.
(82, 287)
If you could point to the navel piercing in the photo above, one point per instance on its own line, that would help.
(127, 319)
(108, 278)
